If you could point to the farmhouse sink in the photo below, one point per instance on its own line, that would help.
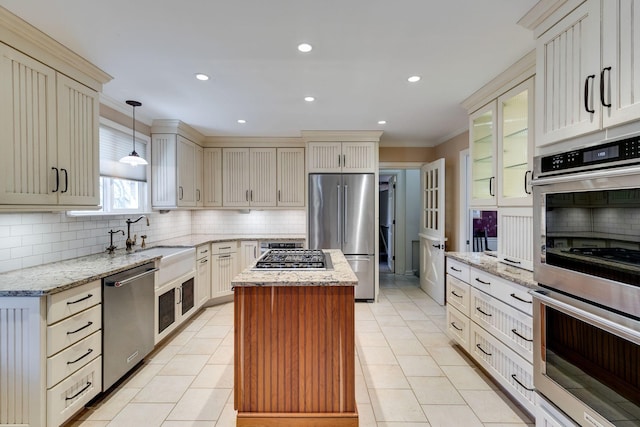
(175, 262)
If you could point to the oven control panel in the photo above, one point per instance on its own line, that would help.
(624, 151)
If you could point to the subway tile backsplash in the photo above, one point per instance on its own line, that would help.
(30, 239)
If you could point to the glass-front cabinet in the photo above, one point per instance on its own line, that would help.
(515, 145)
(483, 138)
(502, 149)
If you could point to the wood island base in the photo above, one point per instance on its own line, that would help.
(294, 362)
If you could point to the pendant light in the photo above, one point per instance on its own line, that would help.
(133, 158)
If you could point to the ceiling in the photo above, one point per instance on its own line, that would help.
(363, 53)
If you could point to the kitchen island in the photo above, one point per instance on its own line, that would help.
(294, 356)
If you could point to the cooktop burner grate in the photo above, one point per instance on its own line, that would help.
(292, 259)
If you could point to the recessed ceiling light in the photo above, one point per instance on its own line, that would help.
(305, 47)
(382, 122)
(309, 98)
(414, 79)
(242, 121)
(202, 77)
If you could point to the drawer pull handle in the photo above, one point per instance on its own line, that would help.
(79, 300)
(226, 247)
(513, 261)
(482, 281)
(81, 357)
(78, 330)
(455, 295)
(80, 392)
(520, 299)
(204, 261)
(455, 327)
(519, 383)
(515, 332)
(484, 312)
(455, 269)
(205, 251)
(482, 350)
(224, 256)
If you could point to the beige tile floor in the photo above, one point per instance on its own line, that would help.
(408, 373)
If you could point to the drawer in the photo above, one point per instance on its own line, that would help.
(224, 247)
(511, 293)
(67, 303)
(458, 327)
(68, 397)
(73, 358)
(203, 251)
(511, 326)
(458, 294)
(512, 372)
(71, 330)
(458, 269)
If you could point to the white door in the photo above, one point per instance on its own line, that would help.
(432, 239)
(391, 251)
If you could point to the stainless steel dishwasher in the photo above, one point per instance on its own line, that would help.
(127, 321)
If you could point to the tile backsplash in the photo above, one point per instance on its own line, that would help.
(30, 239)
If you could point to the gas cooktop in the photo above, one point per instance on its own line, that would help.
(294, 259)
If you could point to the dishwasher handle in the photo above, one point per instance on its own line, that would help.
(119, 283)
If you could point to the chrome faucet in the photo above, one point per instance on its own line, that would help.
(130, 243)
(112, 247)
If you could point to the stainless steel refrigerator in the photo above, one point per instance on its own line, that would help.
(342, 216)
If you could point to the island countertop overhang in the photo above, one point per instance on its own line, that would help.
(340, 275)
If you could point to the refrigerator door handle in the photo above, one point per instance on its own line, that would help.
(338, 203)
(346, 215)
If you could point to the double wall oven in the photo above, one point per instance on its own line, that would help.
(587, 262)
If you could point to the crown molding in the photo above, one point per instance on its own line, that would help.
(524, 68)
(341, 136)
(178, 127)
(547, 13)
(257, 141)
(29, 40)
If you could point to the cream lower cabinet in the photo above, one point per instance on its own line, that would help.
(249, 177)
(547, 415)
(224, 267)
(491, 319)
(249, 253)
(51, 355)
(203, 274)
(49, 128)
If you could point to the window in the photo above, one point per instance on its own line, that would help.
(123, 188)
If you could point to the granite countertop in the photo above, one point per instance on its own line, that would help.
(58, 276)
(490, 264)
(341, 275)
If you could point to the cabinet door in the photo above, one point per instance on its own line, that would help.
(567, 64)
(291, 177)
(620, 61)
(224, 269)
(27, 130)
(324, 157)
(515, 237)
(482, 136)
(359, 157)
(78, 146)
(249, 253)
(199, 176)
(515, 145)
(163, 170)
(262, 177)
(186, 172)
(203, 281)
(235, 179)
(212, 177)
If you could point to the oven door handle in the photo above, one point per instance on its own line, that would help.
(587, 175)
(582, 312)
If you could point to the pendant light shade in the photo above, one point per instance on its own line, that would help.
(133, 158)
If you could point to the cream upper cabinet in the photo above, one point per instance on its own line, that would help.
(290, 177)
(199, 177)
(49, 128)
(501, 149)
(249, 177)
(212, 175)
(174, 171)
(587, 68)
(349, 157)
(515, 145)
(482, 144)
